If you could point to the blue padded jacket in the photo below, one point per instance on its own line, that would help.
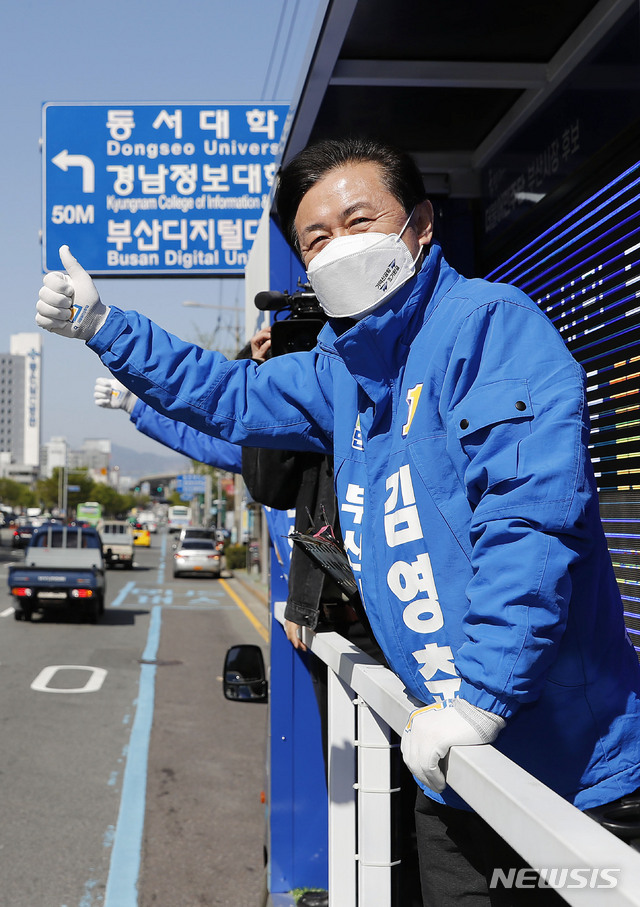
(458, 423)
(186, 440)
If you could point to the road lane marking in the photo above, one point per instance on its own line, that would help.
(122, 594)
(247, 613)
(7, 612)
(46, 675)
(163, 555)
(124, 867)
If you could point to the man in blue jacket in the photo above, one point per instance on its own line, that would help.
(111, 394)
(458, 423)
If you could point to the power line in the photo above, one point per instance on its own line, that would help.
(287, 44)
(273, 49)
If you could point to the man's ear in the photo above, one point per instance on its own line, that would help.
(423, 219)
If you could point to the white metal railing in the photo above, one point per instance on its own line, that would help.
(366, 702)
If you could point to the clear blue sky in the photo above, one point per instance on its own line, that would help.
(123, 50)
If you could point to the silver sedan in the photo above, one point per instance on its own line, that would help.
(197, 556)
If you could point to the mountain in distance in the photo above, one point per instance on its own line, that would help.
(136, 463)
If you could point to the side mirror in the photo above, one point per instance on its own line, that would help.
(244, 677)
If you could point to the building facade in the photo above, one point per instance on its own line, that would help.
(20, 396)
(94, 457)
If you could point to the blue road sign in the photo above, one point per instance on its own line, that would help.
(147, 189)
(191, 483)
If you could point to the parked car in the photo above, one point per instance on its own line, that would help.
(197, 556)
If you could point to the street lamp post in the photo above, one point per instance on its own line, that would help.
(62, 484)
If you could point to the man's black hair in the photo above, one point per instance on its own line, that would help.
(400, 175)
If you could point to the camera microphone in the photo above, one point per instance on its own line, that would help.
(270, 300)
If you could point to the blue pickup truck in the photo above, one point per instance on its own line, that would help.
(63, 567)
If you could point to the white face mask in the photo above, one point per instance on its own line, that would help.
(354, 274)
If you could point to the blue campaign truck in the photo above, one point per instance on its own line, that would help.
(63, 568)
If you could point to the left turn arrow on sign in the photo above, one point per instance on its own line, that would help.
(64, 160)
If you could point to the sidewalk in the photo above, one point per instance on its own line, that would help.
(253, 583)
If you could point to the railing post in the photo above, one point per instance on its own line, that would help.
(374, 809)
(342, 793)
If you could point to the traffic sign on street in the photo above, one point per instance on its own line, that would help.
(191, 483)
(150, 189)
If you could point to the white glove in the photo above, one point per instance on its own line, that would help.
(433, 730)
(69, 304)
(109, 393)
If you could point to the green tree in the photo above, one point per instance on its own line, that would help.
(113, 503)
(15, 494)
(81, 479)
(174, 499)
(48, 490)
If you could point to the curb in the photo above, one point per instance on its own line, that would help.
(251, 587)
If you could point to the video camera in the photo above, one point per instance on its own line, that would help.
(298, 330)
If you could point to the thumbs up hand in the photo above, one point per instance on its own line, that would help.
(69, 304)
(109, 393)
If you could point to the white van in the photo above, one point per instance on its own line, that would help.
(117, 542)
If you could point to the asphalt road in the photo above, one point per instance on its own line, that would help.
(126, 778)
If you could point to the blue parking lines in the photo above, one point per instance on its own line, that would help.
(122, 594)
(127, 845)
